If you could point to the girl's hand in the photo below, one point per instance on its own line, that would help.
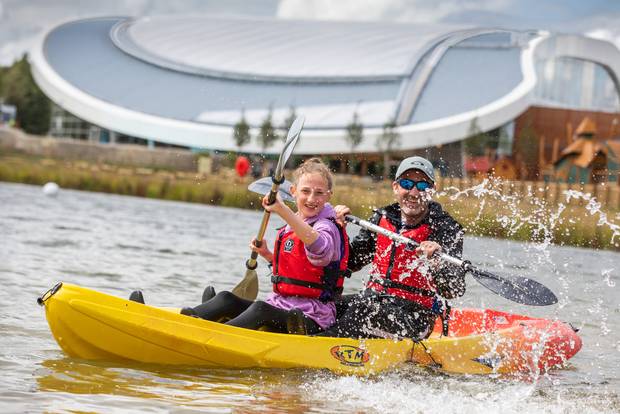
(341, 211)
(276, 207)
(263, 250)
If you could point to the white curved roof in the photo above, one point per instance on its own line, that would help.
(186, 80)
(276, 49)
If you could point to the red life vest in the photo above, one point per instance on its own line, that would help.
(391, 272)
(294, 275)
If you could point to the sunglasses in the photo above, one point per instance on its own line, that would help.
(408, 184)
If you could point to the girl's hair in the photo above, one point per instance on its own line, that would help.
(314, 166)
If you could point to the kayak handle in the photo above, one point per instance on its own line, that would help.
(44, 297)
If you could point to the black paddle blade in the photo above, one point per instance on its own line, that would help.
(515, 288)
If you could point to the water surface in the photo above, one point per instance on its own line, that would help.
(173, 250)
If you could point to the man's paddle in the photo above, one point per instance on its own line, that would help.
(516, 288)
(248, 287)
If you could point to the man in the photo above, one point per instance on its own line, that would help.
(402, 294)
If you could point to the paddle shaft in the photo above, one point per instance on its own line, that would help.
(248, 287)
(404, 240)
(252, 263)
(518, 289)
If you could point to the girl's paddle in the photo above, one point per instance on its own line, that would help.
(263, 186)
(248, 287)
(516, 288)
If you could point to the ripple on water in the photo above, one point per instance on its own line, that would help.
(200, 253)
(112, 277)
(129, 247)
(28, 219)
(71, 228)
(54, 243)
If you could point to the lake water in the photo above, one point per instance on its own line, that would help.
(172, 250)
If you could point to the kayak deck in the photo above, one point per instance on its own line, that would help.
(92, 325)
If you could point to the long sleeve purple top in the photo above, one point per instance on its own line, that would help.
(324, 250)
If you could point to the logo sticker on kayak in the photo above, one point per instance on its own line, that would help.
(350, 355)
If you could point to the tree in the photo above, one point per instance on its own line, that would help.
(355, 132)
(2, 74)
(526, 149)
(33, 107)
(387, 142)
(476, 141)
(355, 135)
(267, 134)
(241, 132)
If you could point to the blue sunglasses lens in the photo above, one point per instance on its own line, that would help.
(408, 184)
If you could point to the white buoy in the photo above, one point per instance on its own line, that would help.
(51, 189)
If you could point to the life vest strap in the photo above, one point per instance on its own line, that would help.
(391, 284)
(321, 286)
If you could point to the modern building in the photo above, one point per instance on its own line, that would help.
(186, 80)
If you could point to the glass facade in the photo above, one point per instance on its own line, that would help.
(576, 84)
(66, 125)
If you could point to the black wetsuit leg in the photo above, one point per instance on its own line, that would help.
(370, 315)
(352, 315)
(261, 313)
(343, 303)
(223, 305)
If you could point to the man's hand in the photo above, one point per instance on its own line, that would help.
(430, 250)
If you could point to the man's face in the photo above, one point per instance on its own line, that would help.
(413, 203)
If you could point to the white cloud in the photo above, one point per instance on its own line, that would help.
(21, 21)
(11, 51)
(609, 35)
(416, 11)
(599, 21)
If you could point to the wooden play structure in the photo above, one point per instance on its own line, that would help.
(588, 160)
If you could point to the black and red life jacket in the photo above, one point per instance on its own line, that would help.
(294, 275)
(391, 267)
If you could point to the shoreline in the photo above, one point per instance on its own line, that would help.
(483, 211)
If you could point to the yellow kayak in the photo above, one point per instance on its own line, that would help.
(92, 325)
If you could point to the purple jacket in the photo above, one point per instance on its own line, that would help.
(324, 250)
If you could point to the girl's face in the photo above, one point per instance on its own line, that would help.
(311, 193)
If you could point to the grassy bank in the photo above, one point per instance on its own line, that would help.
(482, 210)
(224, 190)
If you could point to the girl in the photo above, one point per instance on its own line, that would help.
(308, 264)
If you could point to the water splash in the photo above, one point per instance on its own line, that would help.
(423, 391)
(594, 208)
(544, 219)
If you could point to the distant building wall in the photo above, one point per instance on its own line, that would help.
(125, 154)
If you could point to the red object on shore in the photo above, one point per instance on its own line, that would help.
(242, 166)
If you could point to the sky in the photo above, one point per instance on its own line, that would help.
(23, 21)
